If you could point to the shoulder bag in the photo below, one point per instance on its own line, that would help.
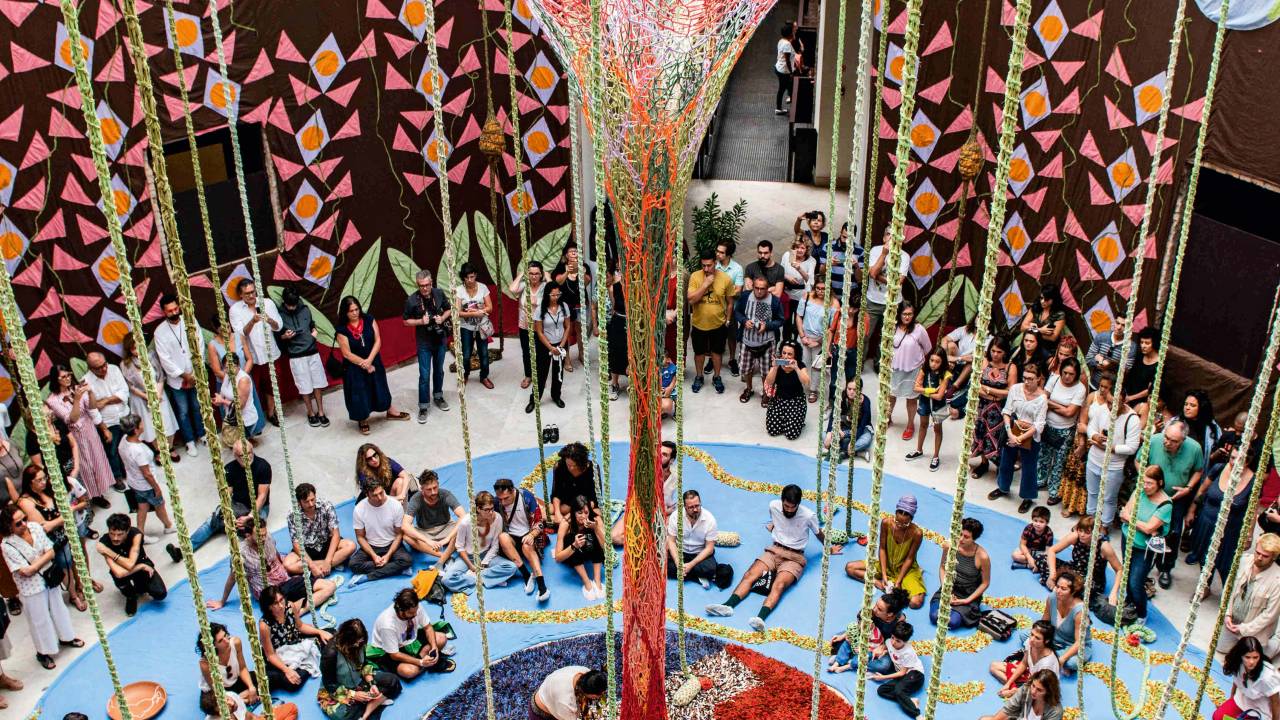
(52, 575)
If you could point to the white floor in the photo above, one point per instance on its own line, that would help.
(497, 419)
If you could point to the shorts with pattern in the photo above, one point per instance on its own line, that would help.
(749, 361)
(782, 559)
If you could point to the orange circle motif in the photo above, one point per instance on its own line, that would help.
(312, 137)
(895, 68)
(1017, 237)
(1019, 170)
(122, 201)
(521, 202)
(1035, 104)
(538, 142)
(187, 31)
(1051, 28)
(64, 52)
(6, 389)
(110, 130)
(1123, 175)
(10, 245)
(320, 267)
(415, 13)
(543, 77)
(1100, 321)
(222, 95)
(6, 177)
(114, 332)
(922, 136)
(928, 203)
(326, 63)
(1012, 305)
(109, 269)
(1150, 98)
(307, 206)
(922, 265)
(1108, 249)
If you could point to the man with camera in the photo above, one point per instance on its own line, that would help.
(247, 316)
(427, 312)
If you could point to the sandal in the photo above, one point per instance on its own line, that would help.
(46, 662)
(813, 396)
(525, 383)
(78, 602)
(364, 428)
(74, 643)
(402, 415)
(746, 395)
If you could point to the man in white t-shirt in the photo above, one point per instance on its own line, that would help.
(567, 694)
(878, 289)
(379, 525)
(248, 315)
(783, 66)
(110, 395)
(670, 486)
(790, 524)
(698, 553)
(404, 642)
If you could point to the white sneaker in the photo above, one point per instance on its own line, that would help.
(756, 624)
(703, 582)
(149, 540)
(449, 650)
(719, 610)
(171, 531)
(191, 449)
(529, 585)
(588, 592)
(544, 596)
(356, 580)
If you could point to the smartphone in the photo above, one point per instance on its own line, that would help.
(781, 362)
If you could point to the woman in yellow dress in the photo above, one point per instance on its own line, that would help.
(900, 539)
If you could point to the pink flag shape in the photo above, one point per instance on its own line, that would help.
(69, 334)
(141, 230)
(1067, 69)
(324, 168)
(4, 71)
(1072, 226)
(471, 132)
(1115, 116)
(1089, 148)
(1046, 138)
(286, 51)
(948, 229)
(85, 163)
(1089, 28)
(1069, 298)
(303, 93)
(377, 11)
(350, 236)
(285, 168)
(89, 232)
(886, 130)
(1140, 322)
(367, 47)
(1030, 60)
(1116, 67)
(946, 163)
(1049, 234)
(1164, 175)
(1122, 287)
(500, 62)
(324, 230)
(1053, 168)
(899, 24)
(292, 238)
(202, 281)
(174, 107)
(1133, 212)
(55, 228)
(188, 76)
(113, 71)
(1033, 267)
(342, 95)
(1035, 199)
(60, 126)
(1070, 105)
(150, 258)
(1005, 260)
(72, 192)
(351, 128)
(33, 199)
(261, 68)
(981, 217)
(258, 114)
(553, 174)
(279, 117)
(1097, 195)
(444, 34)
(228, 49)
(559, 112)
(886, 191)
(892, 97)
(1149, 250)
(962, 123)
(82, 304)
(395, 81)
(1150, 139)
(1008, 14)
(418, 182)
(1192, 111)
(69, 96)
(557, 203)
(1086, 268)
(935, 92)
(32, 275)
(941, 41)
(470, 62)
(12, 126)
(418, 118)
(282, 271)
(400, 46)
(458, 105)
(963, 258)
(342, 189)
(24, 60)
(995, 83)
(458, 173)
(401, 141)
(17, 12)
(63, 261)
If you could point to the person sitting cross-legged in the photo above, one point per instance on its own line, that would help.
(379, 523)
(698, 553)
(132, 571)
(431, 517)
(972, 578)
(405, 643)
(254, 559)
(522, 538)
(244, 470)
(886, 613)
(907, 676)
(465, 558)
(1040, 698)
(316, 538)
(290, 645)
(580, 545)
(790, 525)
(352, 688)
(900, 540)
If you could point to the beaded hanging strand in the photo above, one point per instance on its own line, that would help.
(233, 112)
(450, 261)
(893, 280)
(681, 301)
(999, 204)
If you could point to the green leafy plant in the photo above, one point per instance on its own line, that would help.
(713, 224)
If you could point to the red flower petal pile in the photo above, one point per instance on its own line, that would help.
(784, 692)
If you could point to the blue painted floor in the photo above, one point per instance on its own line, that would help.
(159, 643)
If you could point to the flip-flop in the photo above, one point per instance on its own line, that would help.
(76, 643)
(364, 428)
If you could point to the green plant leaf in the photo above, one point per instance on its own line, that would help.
(405, 270)
(492, 250)
(363, 279)
(970, 300)
(447, 277)
(324, 327)
(78, 367)
(548, 248)
(935, 308)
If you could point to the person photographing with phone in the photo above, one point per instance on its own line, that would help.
(785, 383)
(580, 545)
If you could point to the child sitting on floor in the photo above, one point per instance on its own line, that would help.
(908, 676)
(1036, 538)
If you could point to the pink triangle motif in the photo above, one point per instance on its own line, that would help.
(1086, 268)
(17, 12)
(286, 51)
(342, 95)
(400, 46)
(458, 105)
(1116, 67)
(551, 174)
(1192, 111)
(1122, 287)
(395, 81)
(417, 118)
(1150, 138)
(24, 60)
(63, 262)
(1089, 148)
(55, 228)
(1097, 195)
(89, 233)
(1069, 298)
(324, 230)
(350, 236)
(892, 98)
(324, 168)
(1046, 138)
(150, 258)
(1070, 104)
(962, 123)
(471, 132)
(1089, 28)
(69, 334)
(141, 230)
(419, 183)
(282, 271)
(995, 83)
(285, 168)
(279, 118)
(1115, 116)
(1053, 169)
(86, 166)
(934, 93)
(342, 189)
(1072, 226)
(458, 173)
(1149, 251)
(1133, 212)
(559, 112)
(303, 93)
(377, 11)
(401, 141)
(60, 126)
(32, 275)
(1030, 60)
(12, 126)
(470, 62)
(367, 47)
(1005, 260)
(1164, 175)
(946, 163)
(351, 128)
(1067, 69)
(948, 229)
(1035, 199)
(258, 114)
(445, 33)
(34, 199)
(113, 71)
(72, 191)
(292, 238)
(1049, 234)
(941, 41)
(1033, 267)
(261, 68)
(81, 304)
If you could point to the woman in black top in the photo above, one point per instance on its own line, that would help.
(1141, 375)
(617, 333)
(785, 383)
(580, 543)
(1046, 319)
(1031, 350)
(572, 477)
(292, 655)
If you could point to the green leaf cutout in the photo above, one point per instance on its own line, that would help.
(935, 308)
(548, 248)
(970, 300)
(405, 269)
(324, 327)
(492, 250)
(361, 283)
(78, 367)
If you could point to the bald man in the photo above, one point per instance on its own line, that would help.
(109, 395)
(1182, 461)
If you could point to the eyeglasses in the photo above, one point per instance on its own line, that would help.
(371, 456)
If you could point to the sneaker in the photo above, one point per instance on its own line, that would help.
(529, 585)
(703, 582)
(1165, 580)
(756, 624)
(409, 571)
(934, 464)
(440, 404)
(422, 416)
(149, 540)
(174, 553)
(719, 610)
(718, 384)
(613, 392)
(324, 422)
(545, 595)
(865, 455)
(313, 420)
(588, 592)
(170, 531)
(697, 384)
(914, 455)
(191, 449)
(779, 112)
(448, 650)
(708, 367)
(733, 367)
(356, 580)
(131, 605)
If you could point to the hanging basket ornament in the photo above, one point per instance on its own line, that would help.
(492, 141)
(970, 158)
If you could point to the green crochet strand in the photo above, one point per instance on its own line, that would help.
(893, 280)
(1008, 132)
(295, 515)
(681, 300)
(450, 261)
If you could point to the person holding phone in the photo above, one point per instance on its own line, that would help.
(580, 545)
(405, 643)
(786, 382)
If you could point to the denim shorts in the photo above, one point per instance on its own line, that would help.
(150, 497)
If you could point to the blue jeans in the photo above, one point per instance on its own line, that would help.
(430, 373)
(471, 342)
(186, 407)
(862, 443)
(1140, 566)
(454, 574)
(1093, 481)
(113, 452)
(214, 526)
(1030, 456)
(844, 656)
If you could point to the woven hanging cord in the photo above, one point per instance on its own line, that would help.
(233, 112)
(681, 300)
(893, 246)
(1139, 263)
(450, 261)
(214, 275)
(999, 203)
